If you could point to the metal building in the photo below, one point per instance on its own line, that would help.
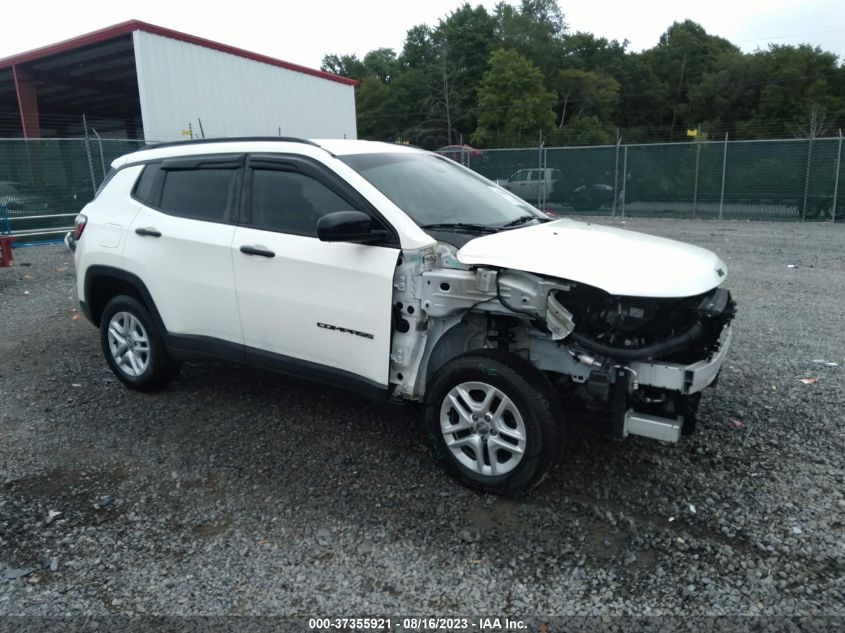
(140, 81)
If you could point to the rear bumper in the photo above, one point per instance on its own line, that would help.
(686, 379)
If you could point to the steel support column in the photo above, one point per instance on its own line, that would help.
(27, 93)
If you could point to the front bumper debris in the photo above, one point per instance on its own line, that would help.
(686, 379)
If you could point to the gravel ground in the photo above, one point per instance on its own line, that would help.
(242, 492)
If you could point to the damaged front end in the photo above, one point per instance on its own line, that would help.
(656, 356)
(643, 360)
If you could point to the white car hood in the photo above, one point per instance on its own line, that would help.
(615, 260)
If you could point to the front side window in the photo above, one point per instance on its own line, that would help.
(290, 202)
(434, 190)
(200, 194)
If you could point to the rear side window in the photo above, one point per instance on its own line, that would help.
(199, 194)
(144, 186)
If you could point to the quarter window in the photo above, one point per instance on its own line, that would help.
(144, 186)
(291, 202)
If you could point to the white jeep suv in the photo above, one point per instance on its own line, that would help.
(401, 274)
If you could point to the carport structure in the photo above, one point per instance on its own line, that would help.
(45, 92)
(136, 80)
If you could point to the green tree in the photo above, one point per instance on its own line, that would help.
(585, 51)
(535, 29)
(513, 103)
(418, 50)
(800, 79)
(583, 130)
(441, 87)
(582, 92)
(376, 105)
(382, 63)
(682, 57)
(463, 42)
(345, 66)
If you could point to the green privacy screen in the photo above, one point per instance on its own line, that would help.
(44, 183)
(782, 180)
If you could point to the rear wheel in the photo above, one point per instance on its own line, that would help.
(133, 346)
(493, 418)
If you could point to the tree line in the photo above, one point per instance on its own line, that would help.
(516, 75)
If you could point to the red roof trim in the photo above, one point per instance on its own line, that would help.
(124, 28)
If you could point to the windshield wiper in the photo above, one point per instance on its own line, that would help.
(522, 220)
(461, 226)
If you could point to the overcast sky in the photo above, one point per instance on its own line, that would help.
(302, 32)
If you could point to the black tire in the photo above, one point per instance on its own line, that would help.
(160, 368)
(532, 396)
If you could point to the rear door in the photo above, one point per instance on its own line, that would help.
(309, 306)
(180, 241)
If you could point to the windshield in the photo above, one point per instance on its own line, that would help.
(434, 190)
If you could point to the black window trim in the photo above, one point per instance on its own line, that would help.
(319, 172)
(233, 161)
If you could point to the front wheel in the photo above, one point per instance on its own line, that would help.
(133, 346)
(494, 420)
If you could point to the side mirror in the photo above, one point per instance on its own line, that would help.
(348, 226)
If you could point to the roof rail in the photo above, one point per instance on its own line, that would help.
(229, 139)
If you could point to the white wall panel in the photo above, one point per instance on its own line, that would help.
(180, 83)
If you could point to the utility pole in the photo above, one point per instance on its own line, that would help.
(836, 179)
(724, 163)
(615, 175)
(678, 98)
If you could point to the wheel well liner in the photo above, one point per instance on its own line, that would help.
(453, 343)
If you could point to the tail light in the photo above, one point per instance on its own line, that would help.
(79, 225)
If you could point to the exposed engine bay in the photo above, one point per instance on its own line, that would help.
(644, 360)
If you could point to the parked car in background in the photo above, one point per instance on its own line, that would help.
(535, 184)
(21, 199)
(462, 154)
(590, 197)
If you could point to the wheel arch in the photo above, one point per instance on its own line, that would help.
(454, 342)
(102, 283)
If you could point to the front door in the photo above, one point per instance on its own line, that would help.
(306, 305)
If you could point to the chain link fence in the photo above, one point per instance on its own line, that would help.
(780, 180)
(44, 183)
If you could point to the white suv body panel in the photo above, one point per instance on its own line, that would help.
(188, 271)
(112, 213)
(321, 302)
(563, 248)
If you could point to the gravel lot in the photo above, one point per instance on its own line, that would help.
(242, 492)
